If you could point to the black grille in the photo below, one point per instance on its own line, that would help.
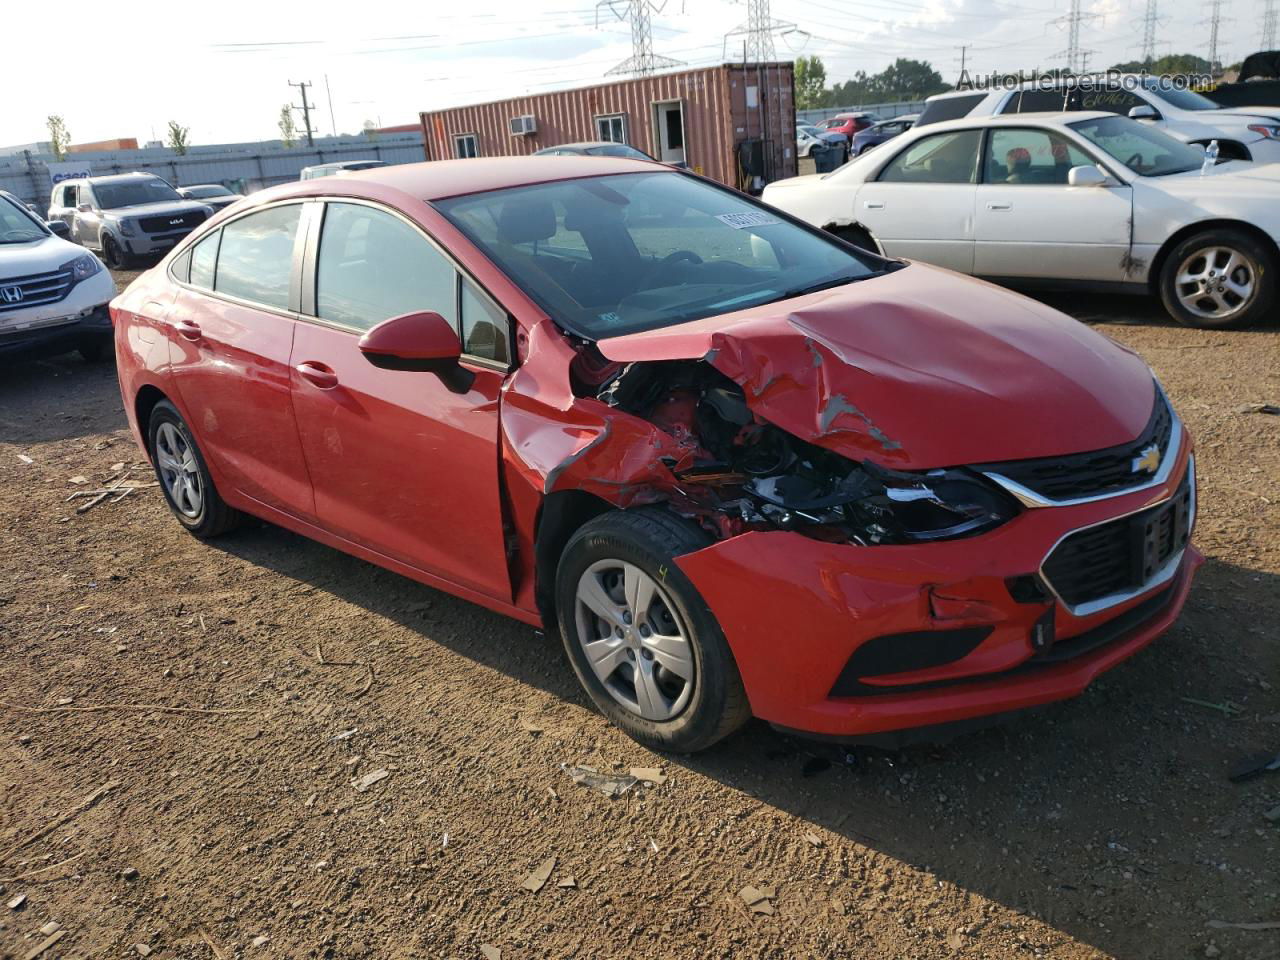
(1123, 554)
(33, 290)
(172, 222)
(1089, 474)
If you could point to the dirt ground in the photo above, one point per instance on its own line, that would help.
(1103, 827)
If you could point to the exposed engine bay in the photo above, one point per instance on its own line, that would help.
(738, 472)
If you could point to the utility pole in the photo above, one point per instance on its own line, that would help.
(1214, 21)
(305, 108)
(333, 124)
(1076, 57)
(1149, 34)
(964, 53)
(1269, 18)
(643, 61)
(758, 32)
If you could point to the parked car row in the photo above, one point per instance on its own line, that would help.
(1079, 198)
(673, 439)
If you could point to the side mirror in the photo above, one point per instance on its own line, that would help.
(59, 228)
(420, 342)
(83, 208)
(1089, 176)
(1143, 112)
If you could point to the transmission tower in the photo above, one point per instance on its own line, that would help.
(1214, 22)
(643, 61)
(758, 32)
(1149, 34)
(1074, 55)
(1269, 17)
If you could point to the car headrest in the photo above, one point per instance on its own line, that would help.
(525, 220)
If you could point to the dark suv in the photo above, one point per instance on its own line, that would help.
(125, 217)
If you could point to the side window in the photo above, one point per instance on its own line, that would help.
(255, 259)
(465, 147)
(373, 266)
(69, 197)
(942, 158)
(611, 128)
(203, 257)
(181, 267)
(1113, 100)
(1027, 156)
(484, 326)
(1036, 101)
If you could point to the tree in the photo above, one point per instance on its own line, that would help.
(177, 141)
(59, 138)
(811, 82)
(370, 130)
(1173, 64)
(904, 79)
(288, 129)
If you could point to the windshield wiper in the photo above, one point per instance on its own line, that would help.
(815, 287)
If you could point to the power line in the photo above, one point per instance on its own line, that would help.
(643, 61)
(1076, 57)
(1269, 18)
(1149, 21)
(1214, 21)
(758, 32)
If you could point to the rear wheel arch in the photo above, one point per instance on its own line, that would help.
(1204, 226)
(145, 402)
(856, 234)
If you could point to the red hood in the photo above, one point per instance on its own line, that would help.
(919, 369)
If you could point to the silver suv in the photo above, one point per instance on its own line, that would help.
(125, 217)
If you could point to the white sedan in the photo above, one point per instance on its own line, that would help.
(1075, 199)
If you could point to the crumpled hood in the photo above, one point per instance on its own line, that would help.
(918, 369)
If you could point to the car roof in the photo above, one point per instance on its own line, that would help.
(589, 143)
(1052, 118)
(439, 179)
(122, 177)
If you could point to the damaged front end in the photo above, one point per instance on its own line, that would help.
(735, 471)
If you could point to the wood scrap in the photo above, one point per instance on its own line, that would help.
(127, 707)
(208, 939)
(79, 808)
(45, 945)
(368, 683)
(32, 873)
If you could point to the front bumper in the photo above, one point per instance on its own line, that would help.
(153, 244)
(77, 320)
(795, 610)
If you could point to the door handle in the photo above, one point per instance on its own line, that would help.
(318, 374)
(187, 329)
(873, 204)
(999, 205)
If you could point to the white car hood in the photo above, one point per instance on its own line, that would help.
(39, 256)
(1249, 182)
(1242, 115)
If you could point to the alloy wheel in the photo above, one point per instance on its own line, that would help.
(634, 640)
(1216, 282)
(179, 470)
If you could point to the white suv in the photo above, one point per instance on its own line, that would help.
(53, 294)
(1243, 133)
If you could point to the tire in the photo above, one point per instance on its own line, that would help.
(94, 351)
(1218, 302)
(858, 237)
(701, 709)
(112, 254)
(202, 511)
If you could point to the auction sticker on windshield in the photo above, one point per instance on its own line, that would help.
(740, 221)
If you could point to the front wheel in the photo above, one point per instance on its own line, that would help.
(641, 640)
(1218, 279)
(112, 253)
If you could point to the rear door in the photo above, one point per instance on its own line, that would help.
(231, 331)
(921, 204)
(401, 464)
(1031, 223)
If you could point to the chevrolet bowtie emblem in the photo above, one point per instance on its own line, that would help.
(1148, 461)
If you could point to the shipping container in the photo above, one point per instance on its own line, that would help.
(734, 123)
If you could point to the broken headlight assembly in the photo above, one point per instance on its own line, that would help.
(871, 504)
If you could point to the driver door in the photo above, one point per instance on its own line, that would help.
(400, 462)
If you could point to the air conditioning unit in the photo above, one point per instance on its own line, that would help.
(523, 125)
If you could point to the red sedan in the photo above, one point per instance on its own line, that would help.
(738, 465)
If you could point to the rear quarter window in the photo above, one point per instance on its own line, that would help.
(949, 108)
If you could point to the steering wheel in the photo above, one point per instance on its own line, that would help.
(1134, 161)
(678, 255)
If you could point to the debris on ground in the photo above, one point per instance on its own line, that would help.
(1272, 815)
(42, 947)
(611, 785)
(25, 459)
(344, 735)
(369, 779)
(536, 880)
(1227, 925)
(1226, 707)
(758, 899)
(649, 775)
(813, 839)
(260, 941)
(368, 683)
(1254, 765)
(142, 950)
(490, 952)
(51, 927)
(568, 883)
(1270, 408)
(528, 726)
(129, 873)
(17, 902)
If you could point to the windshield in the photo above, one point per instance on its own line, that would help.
(811, 131)
(1182, 99)
(1140, 148)
(611, 255)
(133, 193)
(201, 193)
(17, 225)
(616, 150)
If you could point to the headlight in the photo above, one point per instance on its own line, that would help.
(82, 267)
(125, 227)
(1270, 131)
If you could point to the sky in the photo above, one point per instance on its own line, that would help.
(225, 74)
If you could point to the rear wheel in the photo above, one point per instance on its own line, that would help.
(641, 640)
(184, 476)
(1218, 279)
